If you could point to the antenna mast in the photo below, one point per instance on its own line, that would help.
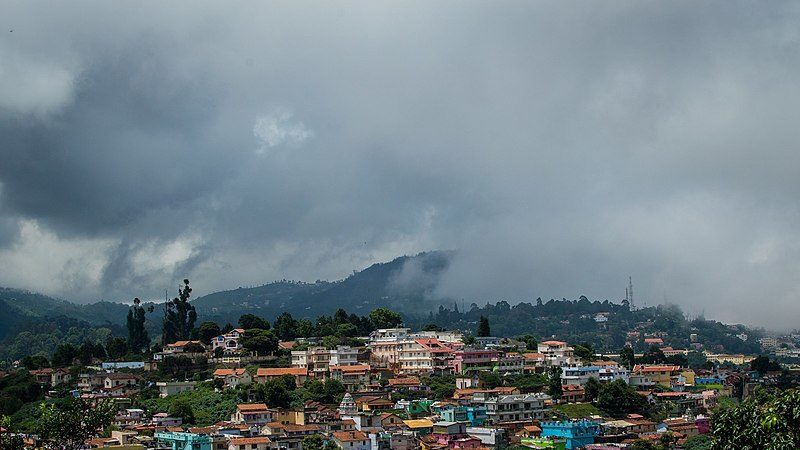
(629, 293)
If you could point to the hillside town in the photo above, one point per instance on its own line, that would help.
(402, 389)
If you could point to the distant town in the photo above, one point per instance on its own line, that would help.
(245, 388)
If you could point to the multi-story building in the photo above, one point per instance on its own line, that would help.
(512, 408)
(228, 342)
(385, 345)
(263, 374)
(318, 359)
(352, 440)
(557, 353)
(233, 377)
(252, 414)
(578, 376)
(352, 377)
(660, 374)
(473, 360)
(425, 355)
(510, 363)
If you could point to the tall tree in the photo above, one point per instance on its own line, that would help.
(251, 321)
(68, 426)
(285, 327)
(259, 342)
(592, 389)
(554, 382)
(180, 316)
(627, 357)
(385, 318)
(138, 339)
(208, 331)
(483, 328)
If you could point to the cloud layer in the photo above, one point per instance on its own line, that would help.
(561, 147)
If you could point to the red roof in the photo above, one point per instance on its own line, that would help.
(349, 436)
(559, 343)
(279, 371)
(251, 407)
(226, 372)
(353, 368)
(250, 440)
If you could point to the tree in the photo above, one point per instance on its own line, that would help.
(259, 341)
(7, 440)
(654, 355)
(313, 442)
(592, 389)
(530, 341)
(252, 321)
(641, 444)
(699, 442)
(285, 327)
(489, 380)
(138, 339)
(64, 355)
(627, 357)
(207, 331)
(276, 392)
(116, 347)
(179, 317)
(763, 364)
(554, 382)
(385, 318)
(68, 425)
(469, 339)
(696, 360)
(483, 328)
(584, 351)
(617, 399)
(432, 327)
(181, 407)
(305, 328)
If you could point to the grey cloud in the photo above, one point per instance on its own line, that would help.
(560, 147)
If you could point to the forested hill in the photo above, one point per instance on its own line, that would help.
(403, 284)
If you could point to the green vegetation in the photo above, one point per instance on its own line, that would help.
(67, 426)
(618, 399)
(179, 317)
(578, 410)
(138, 339)
(206, 406)
(16, 389)
(483, 328)
(766, 422)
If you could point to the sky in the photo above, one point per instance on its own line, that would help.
(559, 147)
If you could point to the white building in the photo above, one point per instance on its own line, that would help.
(513, 408)
(166, 388)
(557, 353)
(228, 342)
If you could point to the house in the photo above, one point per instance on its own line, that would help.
(658, 374)
(385, 345)
(42, 376)
(557, 353)
(425, 355)
(318, 359)
(252, 414)
(474, 360)
(185, 347)
(165, 420)
(166, 388)
(533, 362)
(513, 408)
(233, 377)
(228, 342)
(390, 420)
(576, 434)
(578, 376)
(572, 393)
(352, 440)
(268, 373)
(113, 380)
(250, 443)
(407, 383)
(351, 376)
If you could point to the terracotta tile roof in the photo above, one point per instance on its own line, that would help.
(226, 372)
(251, 407)
(559, 343)
(349, 436)
(407, 381)
(279, 371)
(646, 368)
(250, 440)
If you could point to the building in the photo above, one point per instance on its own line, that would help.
(352, 440)
(578, 376)
(473, 360)
(576, 434)
(352, 377)
(557, 353)
(425, 355)
(658, 374)
(113, 380)
(513, 408)
(166, 388)
(233, 377)
(228, 342)
(182, 441)
(385, 345)
(250, 443)
(317, 360)
(268, 373)
(252, 414)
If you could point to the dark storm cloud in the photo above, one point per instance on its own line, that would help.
(560, 147)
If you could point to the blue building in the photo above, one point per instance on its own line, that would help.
(475, 415)
(184, 441)
(575, 434)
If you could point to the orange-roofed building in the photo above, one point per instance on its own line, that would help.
(352, 377)
(426, 355)
(233, 377)
(250, 443)
(352, 440)
(252, 414)
(556, 353)
(658, 374)
(300, 374)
